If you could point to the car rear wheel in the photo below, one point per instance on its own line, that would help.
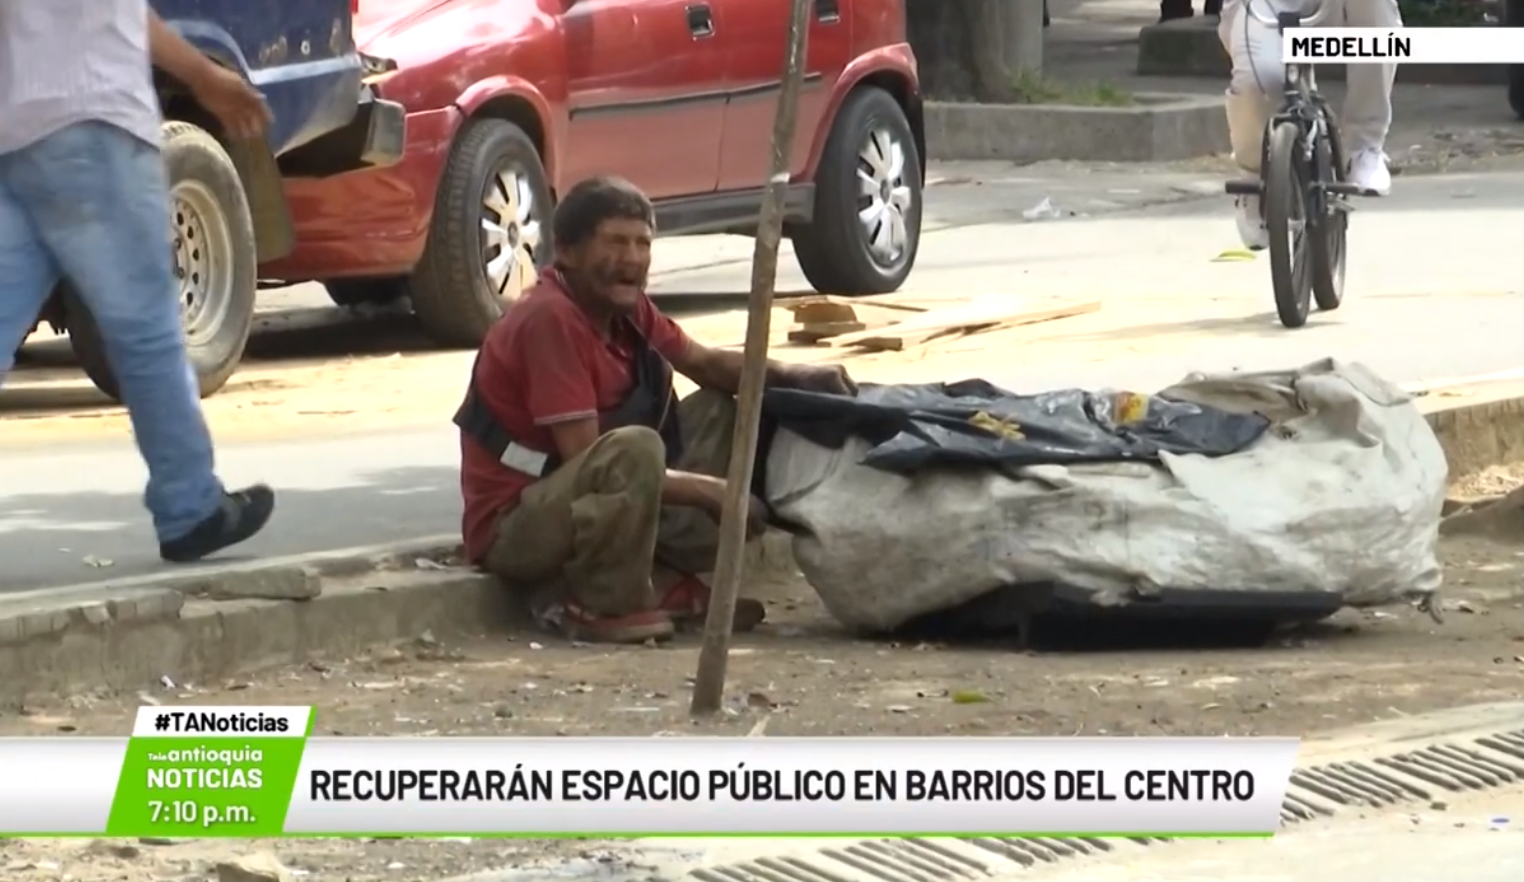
(490, 234)
(867, 222)
(212, 235)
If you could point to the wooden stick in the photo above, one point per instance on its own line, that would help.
(709, 682)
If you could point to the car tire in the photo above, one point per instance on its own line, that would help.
(837, 250)
(213, 236)
(493, 200)
(362, 292)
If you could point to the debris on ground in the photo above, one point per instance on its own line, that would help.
(977, 316)
(801, 675)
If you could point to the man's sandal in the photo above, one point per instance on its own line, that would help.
(687, 604)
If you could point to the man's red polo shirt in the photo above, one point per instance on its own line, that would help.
(543, 363)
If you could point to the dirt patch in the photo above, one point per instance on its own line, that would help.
(807, 679)
(1488, 483)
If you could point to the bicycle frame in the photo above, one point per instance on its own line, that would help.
(1301, 102)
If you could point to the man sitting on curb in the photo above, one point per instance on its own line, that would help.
(579, 467)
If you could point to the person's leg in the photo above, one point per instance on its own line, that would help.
(1257, 83)
(589, 530)
(98, 200)
(1367, 112)
(27, 273)
(688, 540)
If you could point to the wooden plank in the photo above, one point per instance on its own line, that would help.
(982, 315)
(824, 313)
(902, 302)
(985, 311)
(1048, 314)
(815, 332)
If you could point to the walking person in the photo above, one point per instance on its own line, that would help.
(83, 197)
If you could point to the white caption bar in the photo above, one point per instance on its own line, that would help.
(787, 785)
(1470, 45)
(58, 785)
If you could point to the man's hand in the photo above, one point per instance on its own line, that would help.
(756, 509)
(236, 104)
(828, 378)
(233, 100)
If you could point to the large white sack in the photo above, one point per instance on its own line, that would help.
(1342, 494)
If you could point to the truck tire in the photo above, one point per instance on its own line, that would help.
(841, 251)
(489, 237)
(213, 241)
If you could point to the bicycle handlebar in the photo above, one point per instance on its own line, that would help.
(1326, 10)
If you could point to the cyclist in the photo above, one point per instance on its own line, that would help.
(1258, 81)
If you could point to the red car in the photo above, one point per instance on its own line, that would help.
(512, 101)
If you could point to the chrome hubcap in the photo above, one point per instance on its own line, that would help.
(203, 250)
(884, 197)
(510, 233)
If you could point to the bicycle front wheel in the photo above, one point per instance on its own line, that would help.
(1285, 208)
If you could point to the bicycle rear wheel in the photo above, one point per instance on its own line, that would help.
(1285, 207)
(1327, 229)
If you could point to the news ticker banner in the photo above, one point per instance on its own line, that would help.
(256, 772)
(1466, 45)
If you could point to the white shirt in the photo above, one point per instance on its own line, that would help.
(69, 61)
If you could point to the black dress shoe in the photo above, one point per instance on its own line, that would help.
(242, 514)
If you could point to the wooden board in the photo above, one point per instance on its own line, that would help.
(983, 315)
(813, 333)
(902, 302)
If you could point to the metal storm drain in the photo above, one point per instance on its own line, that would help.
(1459, 760)
(916, 860)
(1423, 774)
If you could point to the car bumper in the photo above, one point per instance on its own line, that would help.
(374, 222)
(375, 138)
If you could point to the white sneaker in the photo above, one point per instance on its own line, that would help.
(1368, 171)
(1251, 226)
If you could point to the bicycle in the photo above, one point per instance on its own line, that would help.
(1302, 185)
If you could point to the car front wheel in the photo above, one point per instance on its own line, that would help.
(867, 222)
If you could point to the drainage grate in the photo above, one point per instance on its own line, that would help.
(915, 860)
(1463, 760)
(1421, 775)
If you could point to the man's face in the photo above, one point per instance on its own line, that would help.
(614, 263)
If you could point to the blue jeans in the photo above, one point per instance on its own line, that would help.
(91, 203)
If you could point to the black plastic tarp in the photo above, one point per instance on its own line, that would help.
(914, 426)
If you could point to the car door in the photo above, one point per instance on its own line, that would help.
(646, 99)
(755, 34)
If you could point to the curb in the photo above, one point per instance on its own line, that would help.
(1161, 127)
(1190, 47)
(220, 621)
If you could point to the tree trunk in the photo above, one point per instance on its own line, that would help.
(957, 43)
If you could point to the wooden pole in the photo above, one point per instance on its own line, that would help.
(709, 682)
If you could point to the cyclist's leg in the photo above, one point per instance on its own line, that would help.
(1257, 82)
(1367, 112)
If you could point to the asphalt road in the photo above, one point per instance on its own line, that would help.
(1432, 292)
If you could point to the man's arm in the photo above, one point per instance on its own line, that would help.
(720, 369)
(237, 105)
(172, 54)
(561, 398)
